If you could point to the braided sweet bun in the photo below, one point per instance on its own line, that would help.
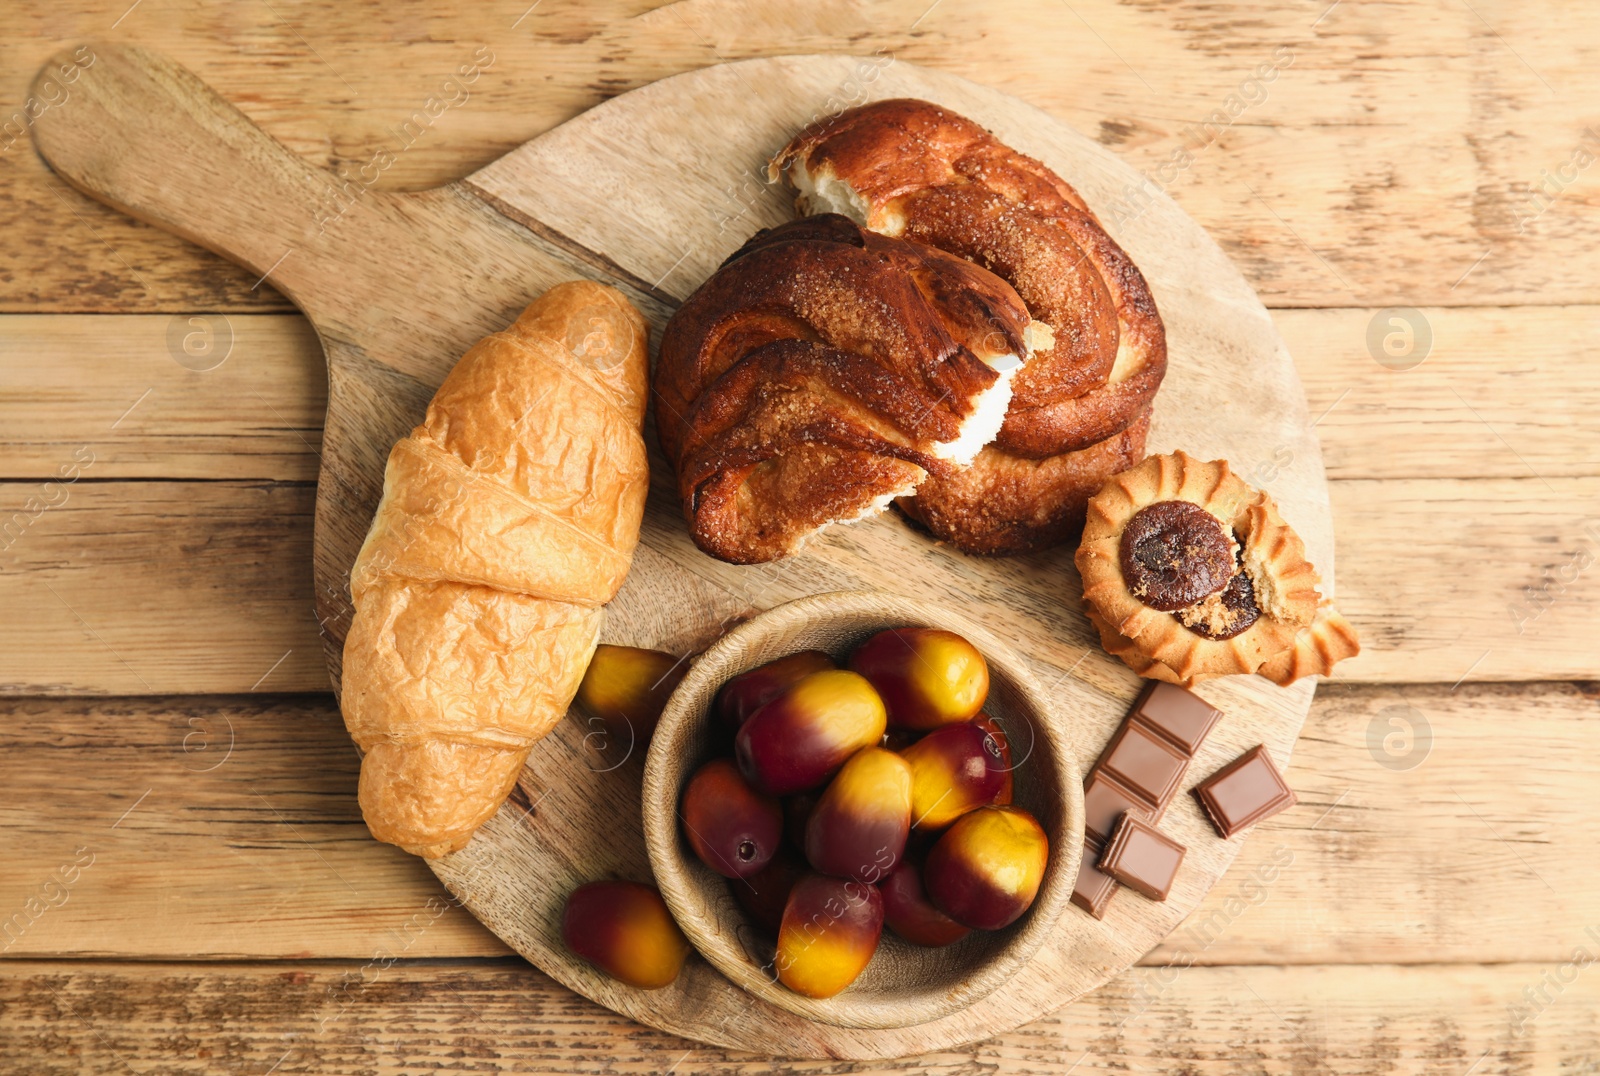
(911, 169)
(823, 371)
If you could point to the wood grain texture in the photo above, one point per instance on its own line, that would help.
(1393, 161)
(398, 284)
(157, 587)
(162, 396)
(1422, 861)
(1418, 136)
(202, 586)
(375, 1018)
(1497, 396)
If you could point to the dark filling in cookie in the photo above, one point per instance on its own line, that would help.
(1227, 613)
(1175, 553)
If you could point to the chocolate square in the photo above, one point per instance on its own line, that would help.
(1244, 792)
(1145, 763)
(1142, 858)
(1094, 888)
(1183, 717)
(1105, 800)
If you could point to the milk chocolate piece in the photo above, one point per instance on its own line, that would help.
(1105, 800)
(1094, 888)
(1183, 717)
(1142, 858)
(1145, 763)
(1244, 792)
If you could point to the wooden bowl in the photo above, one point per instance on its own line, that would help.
(905, 984)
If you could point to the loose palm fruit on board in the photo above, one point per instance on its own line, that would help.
(734, 829)
(625, 930)
(627, 687)
(909, 913)
(763, 894)
(858, 828)
(830, 930)
(749, 691)
(927, 677)
(797, 740)
(992, 727)
(953, 770)
(985, 870)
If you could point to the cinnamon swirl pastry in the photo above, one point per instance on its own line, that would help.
(911, 169)
(823, 371)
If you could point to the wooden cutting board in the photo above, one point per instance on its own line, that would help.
(649, 191)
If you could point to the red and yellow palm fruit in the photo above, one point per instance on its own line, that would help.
(830, 930)
(858, 828)
(764, 894)
(953, 770)
(734, 829)
(985, 870)
(798, 739)
(992, 727)
(927, 677)
(909, 913)
(625, 930)
(626, 687)
(749, 691)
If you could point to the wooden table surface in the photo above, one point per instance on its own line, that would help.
(188, 886)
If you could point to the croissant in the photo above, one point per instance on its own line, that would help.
(508, 519)
(823, 371)
(911, 169)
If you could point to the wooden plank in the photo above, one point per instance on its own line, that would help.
(1487, 579)
(162, 395)
(1492, 392)
(379, 1017)
(255, 795)
(1419, 151)
(157, 587)
(1496, 395)
(1404, 849)
(178, 587)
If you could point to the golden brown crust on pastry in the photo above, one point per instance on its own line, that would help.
(509, 517)
(913, 169)
(1003, 504)
(1329, 640)
(820, 372)
(1271, 556)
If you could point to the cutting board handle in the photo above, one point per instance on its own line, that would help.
(122, 119)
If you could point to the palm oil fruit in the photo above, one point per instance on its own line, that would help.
(909, 913)
(928, 677)
(625, 930)
(985, 870)
(733, 828)
(992, 727)
(858, 828)
(763, 894)
(626, 687)
(953, 770)
(830, 930)
(749, 691)
(799, 738)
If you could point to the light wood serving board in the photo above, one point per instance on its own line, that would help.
(649, 191)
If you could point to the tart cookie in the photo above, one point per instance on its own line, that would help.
(1196, 570)
(1329, 640)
